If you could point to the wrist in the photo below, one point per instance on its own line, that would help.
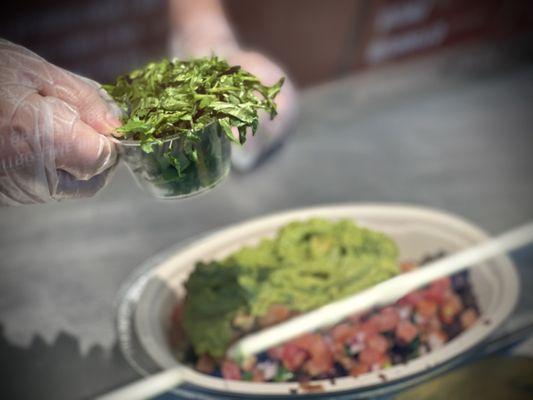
(203, 36)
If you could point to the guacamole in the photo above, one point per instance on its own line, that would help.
(306, 265)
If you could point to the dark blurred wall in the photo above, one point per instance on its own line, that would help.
(318, 40)
(398, 29)
(315, 40)
(96, 38)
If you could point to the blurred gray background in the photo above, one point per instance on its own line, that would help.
(449, 127)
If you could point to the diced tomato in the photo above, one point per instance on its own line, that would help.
(319, 348)
(338, 349)
(230, 370)
(438, 290)
(177, 314)
(378, 343)
(205, 364)
(177, 336)
(427, 308)
(314, 367)
(406, 332)
(371, 357)
(468, 318)
(275, 353)
(304, 341)
(412, 299)
(292, 356)
(343, 333)
(387, 319)
(433, 324)
(451, 307)
(408, 266)
(346, 361)
(369, 328)
(276, 313)
(321, 357)
(445, 282)
(355, 318)
(359, 369)
(319, 365)
(258, 376)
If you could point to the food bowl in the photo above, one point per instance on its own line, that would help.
(144, 313)
(155, 173)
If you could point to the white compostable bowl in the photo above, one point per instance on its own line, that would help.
(147, 302)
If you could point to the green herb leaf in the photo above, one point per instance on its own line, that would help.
(176, 98)
(226, 126)
(247, 376)
(283, 375)
(147, 147)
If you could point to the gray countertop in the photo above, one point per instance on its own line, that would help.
(456, 142)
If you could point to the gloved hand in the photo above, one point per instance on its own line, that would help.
(53, 127)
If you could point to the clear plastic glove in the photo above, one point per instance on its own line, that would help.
(52, 131)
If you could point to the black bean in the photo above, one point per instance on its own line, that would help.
(301, 377)
(339, 369)
(469, 300)
(396, 358)
(190, 356)
(459, 281)
(263, 356)
(453, 329)
(405, 350)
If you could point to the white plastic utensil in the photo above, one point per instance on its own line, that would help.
(147, 388)
(381, 294)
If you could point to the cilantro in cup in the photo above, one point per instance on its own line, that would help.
(178, 120)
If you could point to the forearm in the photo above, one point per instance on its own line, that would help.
(200, 27)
